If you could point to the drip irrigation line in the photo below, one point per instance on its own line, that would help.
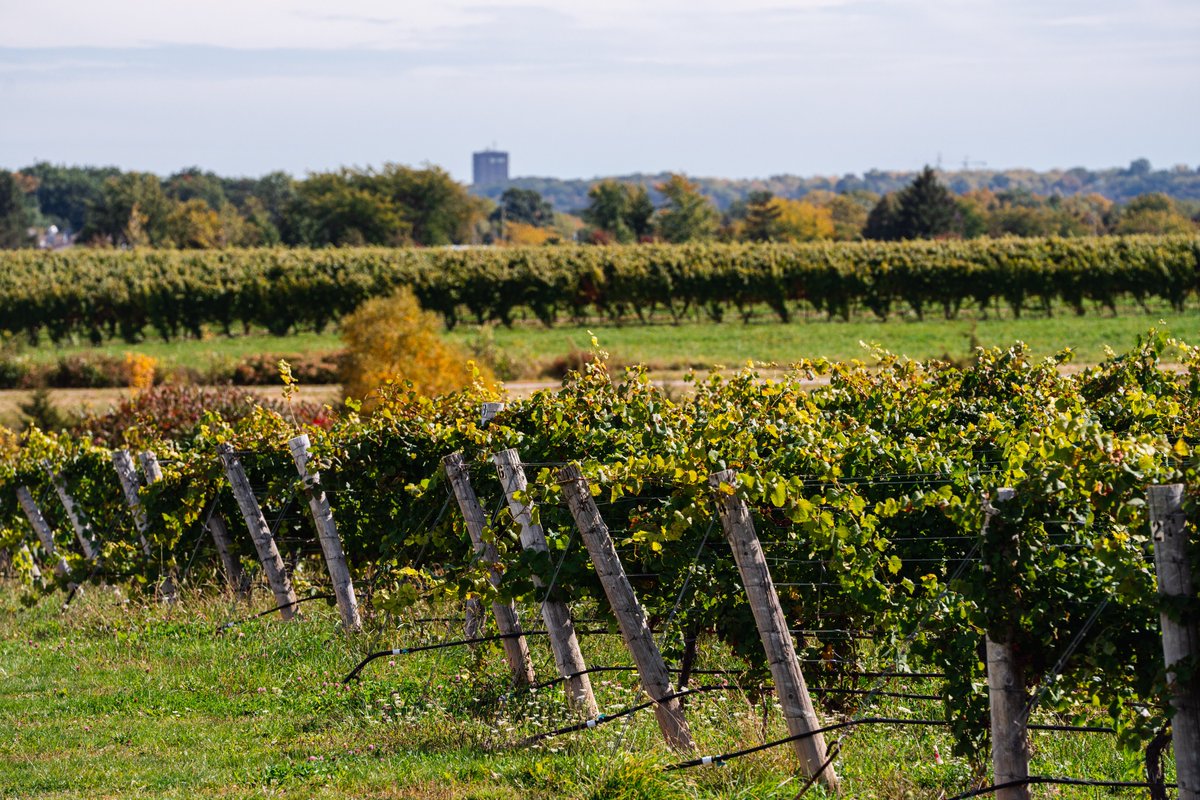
(1035, 779)
(403, 651)
(237, 622)
(625, 712)
(724, 757)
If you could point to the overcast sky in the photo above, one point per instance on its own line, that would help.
(578, 89)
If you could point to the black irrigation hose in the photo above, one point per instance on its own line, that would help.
(1032, 779)
(721, 759)
(237, 622)
(603, 718)
(403, 651)
(696, 762)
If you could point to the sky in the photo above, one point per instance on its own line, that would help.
(607, 87)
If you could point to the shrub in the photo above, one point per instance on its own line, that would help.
(174, 411)
(391, 339)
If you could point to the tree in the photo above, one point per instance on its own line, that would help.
(688, 215)
(15, 218)
(1152, 213)
(639, 212)
(925, 209)
(881, 222)
(193, 225)
(132, 210)
(194, 183)
(524, 205)
(329, 210)
(608, 210)
(798, 221)
(437, 209)
(64, 194)
(762, 216)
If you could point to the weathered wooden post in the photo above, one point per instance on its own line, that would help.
(127, 475)
(1180, 633)
(260, 532)
(516, 650)
(568, 658)
(790, 688)
(631, 619)
(1007, 698)
(83, 531)
(35, 571)
(488, 412)
(43, 530)
(331, 543)
(150, 466)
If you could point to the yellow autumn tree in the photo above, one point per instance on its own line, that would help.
(799, 221)
(522, 234)
(392, 339)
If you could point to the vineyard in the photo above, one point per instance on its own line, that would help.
(106, 294)
(916, 519)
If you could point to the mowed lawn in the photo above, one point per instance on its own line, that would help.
(120, 698)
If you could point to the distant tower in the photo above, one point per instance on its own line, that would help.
(489, 167)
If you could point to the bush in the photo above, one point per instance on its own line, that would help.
(391, 339)
(174, 411)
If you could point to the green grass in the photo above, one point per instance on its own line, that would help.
(529, 350)
(129, 700)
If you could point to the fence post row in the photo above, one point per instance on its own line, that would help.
(790, 688)
(631, 619)
(1006, 693)
(83, 531)
(516, 649)
(1180, 632)
(43, 530)
(331, 543)
(568, 658)
(260, 532)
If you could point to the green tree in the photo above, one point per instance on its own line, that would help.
(524, 205)
(688, 215)
(762, 217)
(639, 212)
(194, 183)
(608, 210)
(329, 209)
(437, 209)
(64, 194)
(881, 222)
(15, 218)
(925, 209)
(132, 210)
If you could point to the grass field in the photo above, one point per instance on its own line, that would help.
(531, 348)
(122, 699)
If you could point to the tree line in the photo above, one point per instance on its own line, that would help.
(399, 206)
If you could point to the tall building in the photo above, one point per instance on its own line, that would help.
(489, 167)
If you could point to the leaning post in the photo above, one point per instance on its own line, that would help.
(631, 619)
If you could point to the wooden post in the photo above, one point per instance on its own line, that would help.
(331, 543)
(260, 532)
(790, 687)
(150, 466)
(127, 475)
(43, 530)
(488, 411)
(83, 531)
(656, 681)
(568, 658)
(516, 650)
(1180, 633)
(35, 571)
(1006, 696)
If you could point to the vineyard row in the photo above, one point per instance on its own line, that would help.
(102, 294)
